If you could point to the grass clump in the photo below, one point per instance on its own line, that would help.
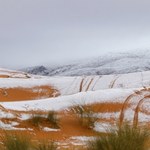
(124, 138)
(46, 146)
(86, 115)
(14, 141)
(52, 118)
(36, 120)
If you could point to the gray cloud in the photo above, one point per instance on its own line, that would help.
(54, 31)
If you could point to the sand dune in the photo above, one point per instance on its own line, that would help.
(24, 95)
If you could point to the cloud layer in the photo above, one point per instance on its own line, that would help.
(33, 32)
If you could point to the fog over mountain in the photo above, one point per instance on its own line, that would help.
(113, 63)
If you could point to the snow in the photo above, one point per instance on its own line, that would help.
(82, 138)
(82, 98)
(71, 85)
(11, 126)
(6, 115)
(46, 129)
(112, 63)
(129, 115)
(107, 115)
(94, 89)
(64, 102)
(13, 74)
(78, 140)
(102, 127)
(25, 116)
(6, 126)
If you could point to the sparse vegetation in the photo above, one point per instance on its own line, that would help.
(46, 146)
(36, 120)
(86, 115)
(14, 141)
(53, 119)
(124, 138)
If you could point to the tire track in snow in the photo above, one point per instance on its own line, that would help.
(92, 89)
(81, 85)
(142, 80)
(89, 84)
(113, 82)
(85, 82)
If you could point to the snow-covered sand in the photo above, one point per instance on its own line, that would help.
(79, 91)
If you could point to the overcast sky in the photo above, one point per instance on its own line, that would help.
(34, 32)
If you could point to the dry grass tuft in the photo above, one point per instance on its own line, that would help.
(52, 118)
(86, 115)
(124, 138)
(46, 146)
(14, 141)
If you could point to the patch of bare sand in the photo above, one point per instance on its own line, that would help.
(4, 76)
(18, 94)
(107, 107)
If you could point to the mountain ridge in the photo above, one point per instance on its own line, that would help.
(112, 63)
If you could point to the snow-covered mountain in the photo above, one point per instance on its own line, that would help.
(119, 63)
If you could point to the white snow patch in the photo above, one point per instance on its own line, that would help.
(11, 126)
(25, 116)
(6, 115)
(50, 129)
(107, 115)
(82, 138)
(102, 127)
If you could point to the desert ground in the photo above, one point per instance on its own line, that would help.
(82, 107)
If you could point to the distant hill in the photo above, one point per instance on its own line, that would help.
(119, 63)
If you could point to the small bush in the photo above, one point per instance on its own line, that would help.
(46, 146)
(13, 141)
(125, 138)
(52, 118)
(36, 120)
(86, 115)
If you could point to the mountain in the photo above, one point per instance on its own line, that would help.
(120, 63)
